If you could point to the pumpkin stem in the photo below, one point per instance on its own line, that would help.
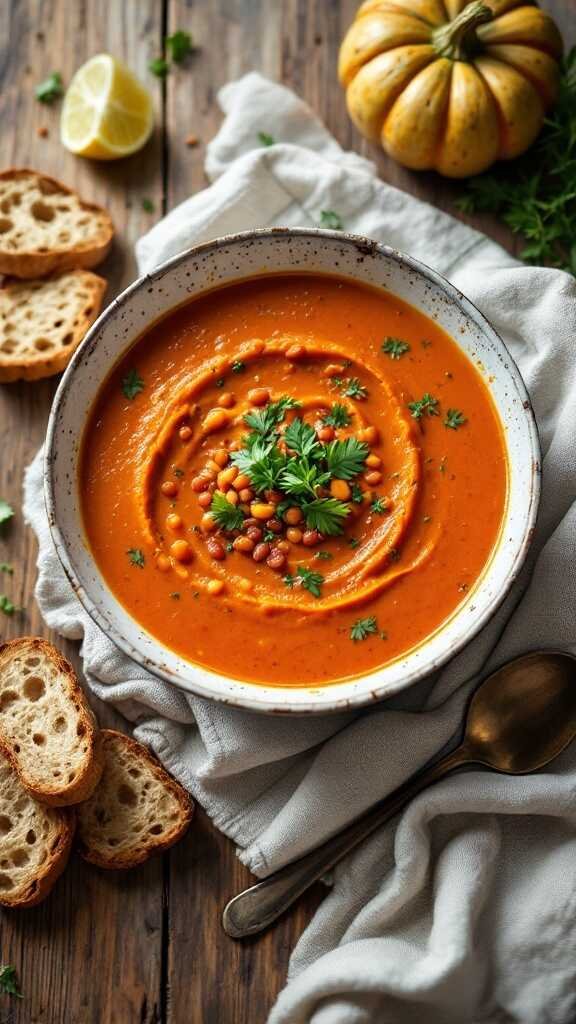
(456, 40)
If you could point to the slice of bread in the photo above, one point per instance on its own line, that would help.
(35, 842)
(47, 729)
(45, 226)
(136, 811)
(43, 322)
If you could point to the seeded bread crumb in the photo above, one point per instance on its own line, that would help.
(35, 842)
(137, 809)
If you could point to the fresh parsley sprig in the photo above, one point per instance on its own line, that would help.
(425, 406)
(9, 981)
(308, 579)
(338, 416)
(395, 347)
(363, 628)
(228, 516)
(454, 419)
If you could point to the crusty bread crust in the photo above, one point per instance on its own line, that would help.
(28, 825)
(20, 258)
(44, 787)
(92, 830)
(33, 344)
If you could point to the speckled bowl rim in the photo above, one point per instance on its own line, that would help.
(253, 699)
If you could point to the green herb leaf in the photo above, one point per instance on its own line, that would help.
(379, 506)
(346, 459)
(147, 205)
(357, 494)
(301, 438)
(228, 517)
(262, 461)
(454, 419)
(50, 89)
(136, 557)
(8, 569)
(266, 140)
(159, 67)
(179, 473)
(301, 479)
(324, 556)
(351, 388)
(311, 581)
(220, 382)
(179, 45)
(395, 347)
(6, 605)
(6, 511)
(363, 628)
(338, 416)
(326, 515)
(9, 981)
(238, 366)
(332, 220)
(354, 542)
(264, 421)
(427, 405)
(132, 384)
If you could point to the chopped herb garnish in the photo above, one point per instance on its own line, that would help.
(332, 220)
(269, 536)
(350, 387)
(238, 366)
(346, 459)
(6, 605)
(228, 517)
(220, 382)
(8, 569)
(289, 580)
(136, 557)
(175, 596)
(179, 473)
(353, 542)
(230, 547)
(323, 555)
(338, 416)
(6, 511)
(380, 506)
(265, 139)
(9, 981)
(357, 494)
(264, 421)
(325, 515)
(159, 67)
(427, 405)
(454, 419)
(311, 581)
(179, 45)
(50, 89)
(395, 347)
(147, 205)
(363, 628)
(132, 384)
(425, 343)
(393, 555)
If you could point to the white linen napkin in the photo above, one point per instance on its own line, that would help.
(465, 909)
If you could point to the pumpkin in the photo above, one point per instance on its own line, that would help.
(450, 85)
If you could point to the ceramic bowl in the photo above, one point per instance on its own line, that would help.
(235, 258)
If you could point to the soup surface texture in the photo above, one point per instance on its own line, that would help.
(293, 480)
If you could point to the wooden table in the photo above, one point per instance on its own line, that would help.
(146, 947)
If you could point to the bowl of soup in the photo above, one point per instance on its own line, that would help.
(292, 470)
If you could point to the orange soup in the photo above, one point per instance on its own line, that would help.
(293, 480)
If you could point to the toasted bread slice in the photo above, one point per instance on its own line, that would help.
(35, 842)
(137, 809)
(43, 322)
(46, 227)
(47, 729)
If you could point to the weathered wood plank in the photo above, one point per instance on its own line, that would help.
(92, 952)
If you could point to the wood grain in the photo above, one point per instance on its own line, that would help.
(146, 947)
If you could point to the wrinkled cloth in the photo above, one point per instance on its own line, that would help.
(463, 909)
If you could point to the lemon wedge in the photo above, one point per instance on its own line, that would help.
(107, 113)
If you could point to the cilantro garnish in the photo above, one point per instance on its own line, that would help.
(238, 366)
(325, 515)
(159, 67)
(6, 605)
(9, 981)
(309, 580)
(332, 220)
(50, 89)
(363, 628)
(353, 542)
(265, 139)
(179, 45)
(454, 419)
(380, 506)
(264, 421)
(8, 569)
(323, 555)
(351, 387)
(345, 459)
(6, 511)
(228, 517)
(395, 347)
(132, 384)
(427, 405)
(357, 494)
(338, 416)
(136, 557)
(147, 205)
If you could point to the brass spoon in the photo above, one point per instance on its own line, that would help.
(518, 720)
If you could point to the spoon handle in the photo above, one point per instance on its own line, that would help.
(256, 908)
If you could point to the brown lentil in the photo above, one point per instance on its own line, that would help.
(259, 396)
(181, 551)
(276, 560)
(174, 521)
(205, 499)
(311, 537)
(215, 549)
(261, 551)
(274, 525)
(254, 533)
(185, 433)
(169, 488)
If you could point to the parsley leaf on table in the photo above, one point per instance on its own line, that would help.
(50, 89)
(159, 67)
(265, 139)
(6, 511)
(8, 569)
(6, 605)
(179, 45)
(9, 981)
(535, 195)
